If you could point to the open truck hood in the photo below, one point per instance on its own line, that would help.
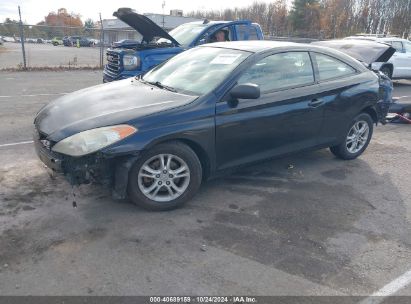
(362, 50)
(145, 26)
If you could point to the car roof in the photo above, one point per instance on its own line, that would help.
(258, 46)
(392, 39)
(213, 22)
(261, 46)
(376, 38)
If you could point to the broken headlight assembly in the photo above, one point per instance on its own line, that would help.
(90, 141)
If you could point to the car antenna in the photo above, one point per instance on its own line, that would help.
(206, 21)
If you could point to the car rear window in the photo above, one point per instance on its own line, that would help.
(332, 68)
(245, 32)
(397, 45)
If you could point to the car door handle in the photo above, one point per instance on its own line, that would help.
(315, 102)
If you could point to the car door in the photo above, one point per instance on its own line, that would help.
(407, 59)
(401, 60)
(287, 116)
(336, 78)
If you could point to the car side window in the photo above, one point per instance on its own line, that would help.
(252, 33)
(280, 71)
(242, 31)
(397, 45)
(407, 46)
(210, 35)
(331, 68)
(246, 32)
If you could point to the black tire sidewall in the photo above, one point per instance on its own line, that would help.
(177, 149)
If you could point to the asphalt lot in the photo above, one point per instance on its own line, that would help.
(306, 224)
(47, 55)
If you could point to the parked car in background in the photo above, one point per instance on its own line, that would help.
(94, 41)
(57, 41)
(208, 109)
(400, 62)
(374, 55)
(129, 58)
(7, 39)
(74, 40)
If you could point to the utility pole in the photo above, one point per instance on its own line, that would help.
(22, 40)
(101, 42)
(162, 6)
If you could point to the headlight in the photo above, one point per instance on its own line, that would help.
(92, 140)
(130, 62)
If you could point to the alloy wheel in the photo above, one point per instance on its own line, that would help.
(357, 136)
(164, 177)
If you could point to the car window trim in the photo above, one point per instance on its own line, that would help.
(334, 78)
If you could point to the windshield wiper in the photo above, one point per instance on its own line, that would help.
(162, 86)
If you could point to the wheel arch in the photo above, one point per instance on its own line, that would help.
(122, 170)
(198, 150)
(370, 110)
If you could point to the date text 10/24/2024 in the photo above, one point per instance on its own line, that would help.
(203, 299)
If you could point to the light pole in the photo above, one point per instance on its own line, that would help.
(22, 40)
(162, 6)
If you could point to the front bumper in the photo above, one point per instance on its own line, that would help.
(112, 172)
(48, 157)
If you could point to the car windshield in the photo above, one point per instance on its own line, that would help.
(185, 33)
(196, 71)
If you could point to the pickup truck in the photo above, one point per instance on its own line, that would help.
(127, 58)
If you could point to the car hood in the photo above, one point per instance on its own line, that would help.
(145, 26)
(362, 50)
(104, 105)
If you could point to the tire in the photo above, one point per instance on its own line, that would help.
(351, 150)
(170, 189)
(386, 71)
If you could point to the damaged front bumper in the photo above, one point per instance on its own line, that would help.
(95, 168)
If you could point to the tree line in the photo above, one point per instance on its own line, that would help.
(322, 19)
(55, 24)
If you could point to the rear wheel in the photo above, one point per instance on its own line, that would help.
(165, 177)
(356, 139)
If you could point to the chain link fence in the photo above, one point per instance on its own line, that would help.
(27, 46)
(52, 46)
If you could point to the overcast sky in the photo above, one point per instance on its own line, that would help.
(34, 11)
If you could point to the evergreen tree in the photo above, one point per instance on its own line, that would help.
(302, 14)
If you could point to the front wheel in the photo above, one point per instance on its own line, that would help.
(356, 139)
(165, 177)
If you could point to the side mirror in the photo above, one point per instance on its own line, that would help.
(245, 91)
